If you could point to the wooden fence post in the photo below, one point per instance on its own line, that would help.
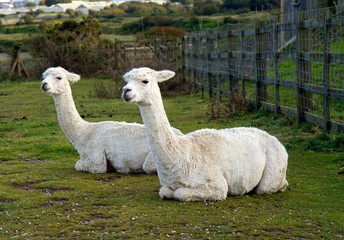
(303, 68)
(231, 41)
(209, 47)
(201, 55)
(326, 55)
(192, 61)
(261, 45)
(116, 55)
(242, 77)
(275, 60)
(185, 59)
(217, 62)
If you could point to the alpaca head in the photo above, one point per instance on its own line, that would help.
(142, 84)
(56, 80)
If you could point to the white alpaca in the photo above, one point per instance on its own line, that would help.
(120, 145)
(207, 164)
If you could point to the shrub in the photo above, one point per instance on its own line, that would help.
(26, 19)
(169, 33)
(76, 46)
(229, 20)
(235, 105)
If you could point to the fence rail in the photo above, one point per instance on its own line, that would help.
(291, 63)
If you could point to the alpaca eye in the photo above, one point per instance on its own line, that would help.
(59, 78)
(145, 81)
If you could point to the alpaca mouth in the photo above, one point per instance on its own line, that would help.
(127, 98)
(44, 87)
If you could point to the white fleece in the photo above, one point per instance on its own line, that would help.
(207, 164)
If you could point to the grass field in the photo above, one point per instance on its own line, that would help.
(42, 196)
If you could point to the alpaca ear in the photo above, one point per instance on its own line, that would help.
(164, 75)
(72, 77)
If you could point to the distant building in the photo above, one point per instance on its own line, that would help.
(83, 6)
(19, 3)
(83, 9)
(9, 7)
(5, 4)
(51, 9)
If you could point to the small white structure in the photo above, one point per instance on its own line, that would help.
(19, 3)
(102, 144)
(207, 164)
(52, 9)
(84, 6)
(83, 9)
(6, 4)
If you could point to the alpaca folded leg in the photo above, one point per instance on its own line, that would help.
(166, 193)
(82, 166)
(92, 164)
(190, 194)
(274, 176)
(149, 165)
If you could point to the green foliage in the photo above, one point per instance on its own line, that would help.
(42, 196)
(251, 4)
(145, 23)
(332, 142)
(134, 8)
(30, 4)
(27, 28)
(77, 46)
(26, 19)
(109, 12)
(53, 2)
(168, 33)
(188, 24)
(206, 7)
(229, 20)
(17, 46)
(236, 4)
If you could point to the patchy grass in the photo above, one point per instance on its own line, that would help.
(42, 196)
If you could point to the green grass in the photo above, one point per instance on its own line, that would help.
(42, 196)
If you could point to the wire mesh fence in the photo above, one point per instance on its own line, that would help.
(293, 63)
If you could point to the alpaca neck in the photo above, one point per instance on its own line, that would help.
(69, 119)
(160, 134)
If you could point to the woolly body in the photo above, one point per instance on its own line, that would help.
(101, 145)
(207, 164)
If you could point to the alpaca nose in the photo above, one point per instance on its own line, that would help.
(125, 90)
(124, 94)
(44, 86)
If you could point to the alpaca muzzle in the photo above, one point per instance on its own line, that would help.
(44, 86)
(125, 94)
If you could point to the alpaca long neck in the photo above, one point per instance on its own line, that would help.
(69, 119)
(160, 134)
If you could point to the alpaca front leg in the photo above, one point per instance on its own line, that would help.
(149, 165)
(92, 164)
(82, 166)
(166, 192)
(190, 194)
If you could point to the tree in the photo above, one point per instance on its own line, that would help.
(26, 19)
(76, 46)
(30, 4)
(206, 7)
(236, 4)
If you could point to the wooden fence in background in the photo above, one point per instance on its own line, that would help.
(291, 64)
(155, 53)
